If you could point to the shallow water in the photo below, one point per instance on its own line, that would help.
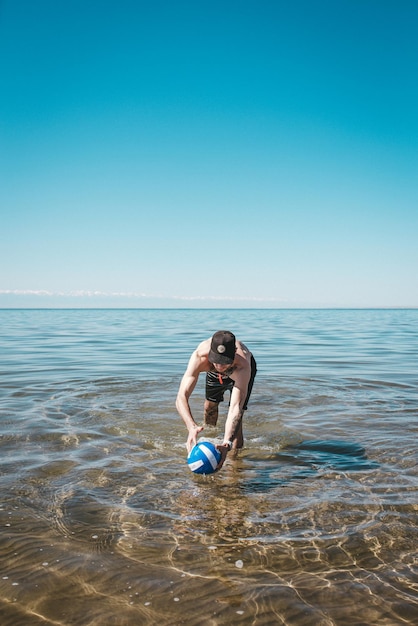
(102, 523)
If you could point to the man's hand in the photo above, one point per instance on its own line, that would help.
(223, 449)
(192, 438)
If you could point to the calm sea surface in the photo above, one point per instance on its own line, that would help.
(102, 523)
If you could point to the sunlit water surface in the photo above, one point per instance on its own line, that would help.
(102, 523)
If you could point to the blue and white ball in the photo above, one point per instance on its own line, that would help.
(203, 458)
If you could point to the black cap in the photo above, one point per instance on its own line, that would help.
(222, 348)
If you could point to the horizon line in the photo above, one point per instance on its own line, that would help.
(230, 302)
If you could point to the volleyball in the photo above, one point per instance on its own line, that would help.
(204, 458)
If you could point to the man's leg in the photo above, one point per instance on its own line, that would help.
(210, 413)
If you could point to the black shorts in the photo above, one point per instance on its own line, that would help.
(216, 385)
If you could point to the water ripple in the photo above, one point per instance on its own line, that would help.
(103, 523)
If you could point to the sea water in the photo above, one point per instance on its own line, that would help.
(102, 523)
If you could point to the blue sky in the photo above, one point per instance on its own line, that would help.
(234, 153)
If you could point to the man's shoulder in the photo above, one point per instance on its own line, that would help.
(203, 348)
(243, 350)
(199, 359)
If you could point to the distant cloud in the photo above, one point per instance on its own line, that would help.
(132, 295)
(25, 292)
(72, 294)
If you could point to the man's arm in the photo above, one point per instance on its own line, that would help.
(188, 383)
(238, 395)
(235, 412)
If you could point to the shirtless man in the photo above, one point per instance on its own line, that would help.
(229, 365)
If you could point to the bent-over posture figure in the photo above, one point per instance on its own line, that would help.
(229, 365)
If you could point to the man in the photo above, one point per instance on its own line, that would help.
(229, 365)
